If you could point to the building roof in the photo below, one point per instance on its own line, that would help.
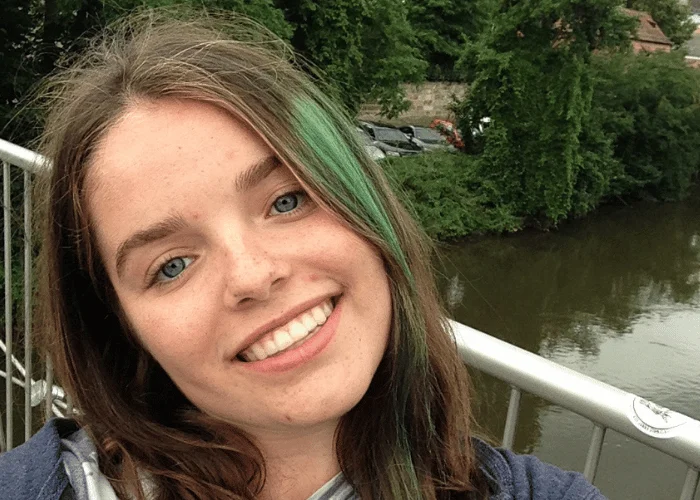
(648, 30)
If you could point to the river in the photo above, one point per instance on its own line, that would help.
(615, 296)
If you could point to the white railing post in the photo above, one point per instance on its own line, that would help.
(511, 418)
(7, 245)
(48, 401)
(690, 485)
(27, 305)
(594, 450)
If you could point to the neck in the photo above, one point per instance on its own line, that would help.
(298, 462)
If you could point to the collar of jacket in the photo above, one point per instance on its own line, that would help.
(34, 470)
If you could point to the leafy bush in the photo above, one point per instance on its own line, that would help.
(649, 107)
(447, 197)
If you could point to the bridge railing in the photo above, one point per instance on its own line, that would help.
(18, 370)
(607, 407)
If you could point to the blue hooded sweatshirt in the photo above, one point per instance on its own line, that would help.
(36, 471)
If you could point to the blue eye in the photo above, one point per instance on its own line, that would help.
(173, 268)
(288, 202)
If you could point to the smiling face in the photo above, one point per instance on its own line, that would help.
(263, 308)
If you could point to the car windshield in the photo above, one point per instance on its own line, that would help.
(389, 134)
(428, 135)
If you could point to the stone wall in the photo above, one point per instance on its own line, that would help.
(429, 100)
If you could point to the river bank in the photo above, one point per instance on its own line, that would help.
(454, 201)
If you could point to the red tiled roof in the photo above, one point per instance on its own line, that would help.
(648, 30)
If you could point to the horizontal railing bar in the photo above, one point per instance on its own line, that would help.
(597, 401)
(22, 157)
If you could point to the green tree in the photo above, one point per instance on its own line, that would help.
(672, 15)
(441, 27)
(17, 36)
(530, 74)
(649, 106)
(365, 48)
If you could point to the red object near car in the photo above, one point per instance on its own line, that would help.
(449, 130)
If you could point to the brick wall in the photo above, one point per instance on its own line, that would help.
(429, 100)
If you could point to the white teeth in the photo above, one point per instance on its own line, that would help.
(282, 340)
(258, 351)
(319, 315)
(297, 330)
(327, 308)
(270, 347)
(309, 321)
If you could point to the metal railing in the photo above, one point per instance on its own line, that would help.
(20, 372)
(607, 407)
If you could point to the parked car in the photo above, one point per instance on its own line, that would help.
(390, 140)
(426, 138)
(371, 148)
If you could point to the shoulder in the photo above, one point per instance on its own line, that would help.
(525, 477)
(34, 470)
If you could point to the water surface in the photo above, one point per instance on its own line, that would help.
(615, 296)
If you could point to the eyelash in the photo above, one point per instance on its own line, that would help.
(152, 277)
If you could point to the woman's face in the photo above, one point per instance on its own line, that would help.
(262, 308)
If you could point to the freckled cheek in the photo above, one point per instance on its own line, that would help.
(330, 243)
(179, 335)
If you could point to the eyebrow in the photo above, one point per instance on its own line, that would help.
(155, 232)
(255, 174)
(176, 222)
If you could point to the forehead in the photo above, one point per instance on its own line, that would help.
(155, 133)
(158, 155)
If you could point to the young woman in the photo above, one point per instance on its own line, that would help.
(234, 298)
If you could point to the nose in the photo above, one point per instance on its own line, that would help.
(254, 271)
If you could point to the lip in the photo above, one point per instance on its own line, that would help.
(274, 324)
(292, 358)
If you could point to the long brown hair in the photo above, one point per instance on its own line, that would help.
(410, 434)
